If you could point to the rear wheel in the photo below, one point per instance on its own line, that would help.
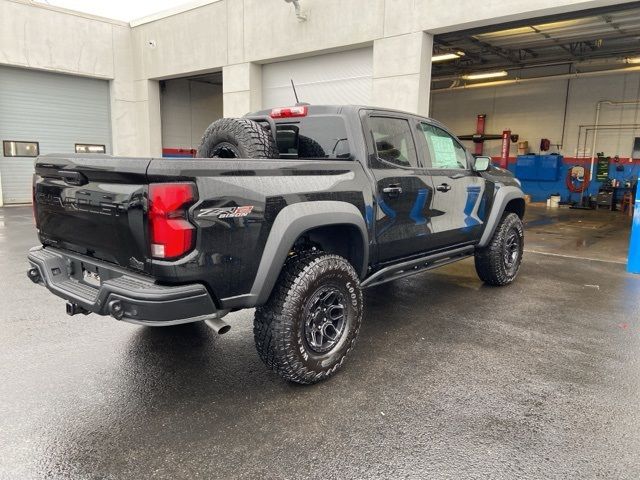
(310, 323)
(499, 262)
(237, 138)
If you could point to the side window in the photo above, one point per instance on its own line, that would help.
(444, 151)
(394, 143)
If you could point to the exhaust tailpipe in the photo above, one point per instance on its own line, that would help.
(218, 325)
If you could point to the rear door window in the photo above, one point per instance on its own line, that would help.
(393, 141)
(313, 137)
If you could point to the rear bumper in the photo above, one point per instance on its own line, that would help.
(122, 294)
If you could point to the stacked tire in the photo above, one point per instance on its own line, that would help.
(237, 138)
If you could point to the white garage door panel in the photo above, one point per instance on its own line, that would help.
(55, 110)
(333, 78)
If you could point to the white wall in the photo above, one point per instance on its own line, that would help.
(187, 108)
(535, 110)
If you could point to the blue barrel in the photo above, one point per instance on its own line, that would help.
(633, 262)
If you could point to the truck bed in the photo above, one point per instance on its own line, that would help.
(98, 206)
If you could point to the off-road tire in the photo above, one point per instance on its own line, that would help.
(237, 138)
(279, 325)
(309, 148)
(491, 264)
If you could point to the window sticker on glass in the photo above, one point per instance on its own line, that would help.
(444, 152)
(442, 149)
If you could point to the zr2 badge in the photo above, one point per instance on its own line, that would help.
(226, 212)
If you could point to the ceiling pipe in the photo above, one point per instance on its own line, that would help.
(594, 62)
(600, 127)
(595, 132)
(563, 76)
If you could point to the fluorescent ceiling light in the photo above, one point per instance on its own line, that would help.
(632, 59)
(480, 76)
(446, 56)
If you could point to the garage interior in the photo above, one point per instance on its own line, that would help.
(187, 107)
(450, 378)
(568, 87)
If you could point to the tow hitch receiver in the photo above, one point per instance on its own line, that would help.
(74, 309)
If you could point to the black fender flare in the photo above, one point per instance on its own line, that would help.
(501, 198)
(293, 221)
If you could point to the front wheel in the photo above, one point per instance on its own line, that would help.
(310, 323)
(498, 263)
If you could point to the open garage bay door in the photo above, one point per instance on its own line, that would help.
(333, 78)
(49, 112)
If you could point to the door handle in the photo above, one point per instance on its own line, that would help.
(445, 187)
(392, 190)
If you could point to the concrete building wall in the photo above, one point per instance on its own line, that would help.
(192, 42)
(263, 31)
(47, 38)
(187, 109)
(238, 36)
(536, 110)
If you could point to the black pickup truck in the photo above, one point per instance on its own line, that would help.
(293, 211)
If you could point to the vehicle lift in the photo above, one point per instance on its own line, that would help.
(480, 137)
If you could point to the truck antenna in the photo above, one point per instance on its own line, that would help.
(295, 94)
(298, 102)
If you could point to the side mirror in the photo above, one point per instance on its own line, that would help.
(482, 164)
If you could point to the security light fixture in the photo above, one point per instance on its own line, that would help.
(300, 14)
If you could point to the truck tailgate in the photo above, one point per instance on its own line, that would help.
(93, 205)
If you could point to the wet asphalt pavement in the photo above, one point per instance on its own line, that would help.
(450, 379)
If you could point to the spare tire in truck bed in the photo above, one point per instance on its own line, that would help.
(309, 148)
(237, 138)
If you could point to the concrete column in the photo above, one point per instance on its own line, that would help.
(135, 118)
(241, 89)
(135, 103)
(402, 72)
(148, 118)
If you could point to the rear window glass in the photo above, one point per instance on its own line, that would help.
(313, 137)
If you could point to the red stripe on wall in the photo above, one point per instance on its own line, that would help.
(579, 160)
(179, 151)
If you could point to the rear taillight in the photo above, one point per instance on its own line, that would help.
(171, 233)
(286, 112)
